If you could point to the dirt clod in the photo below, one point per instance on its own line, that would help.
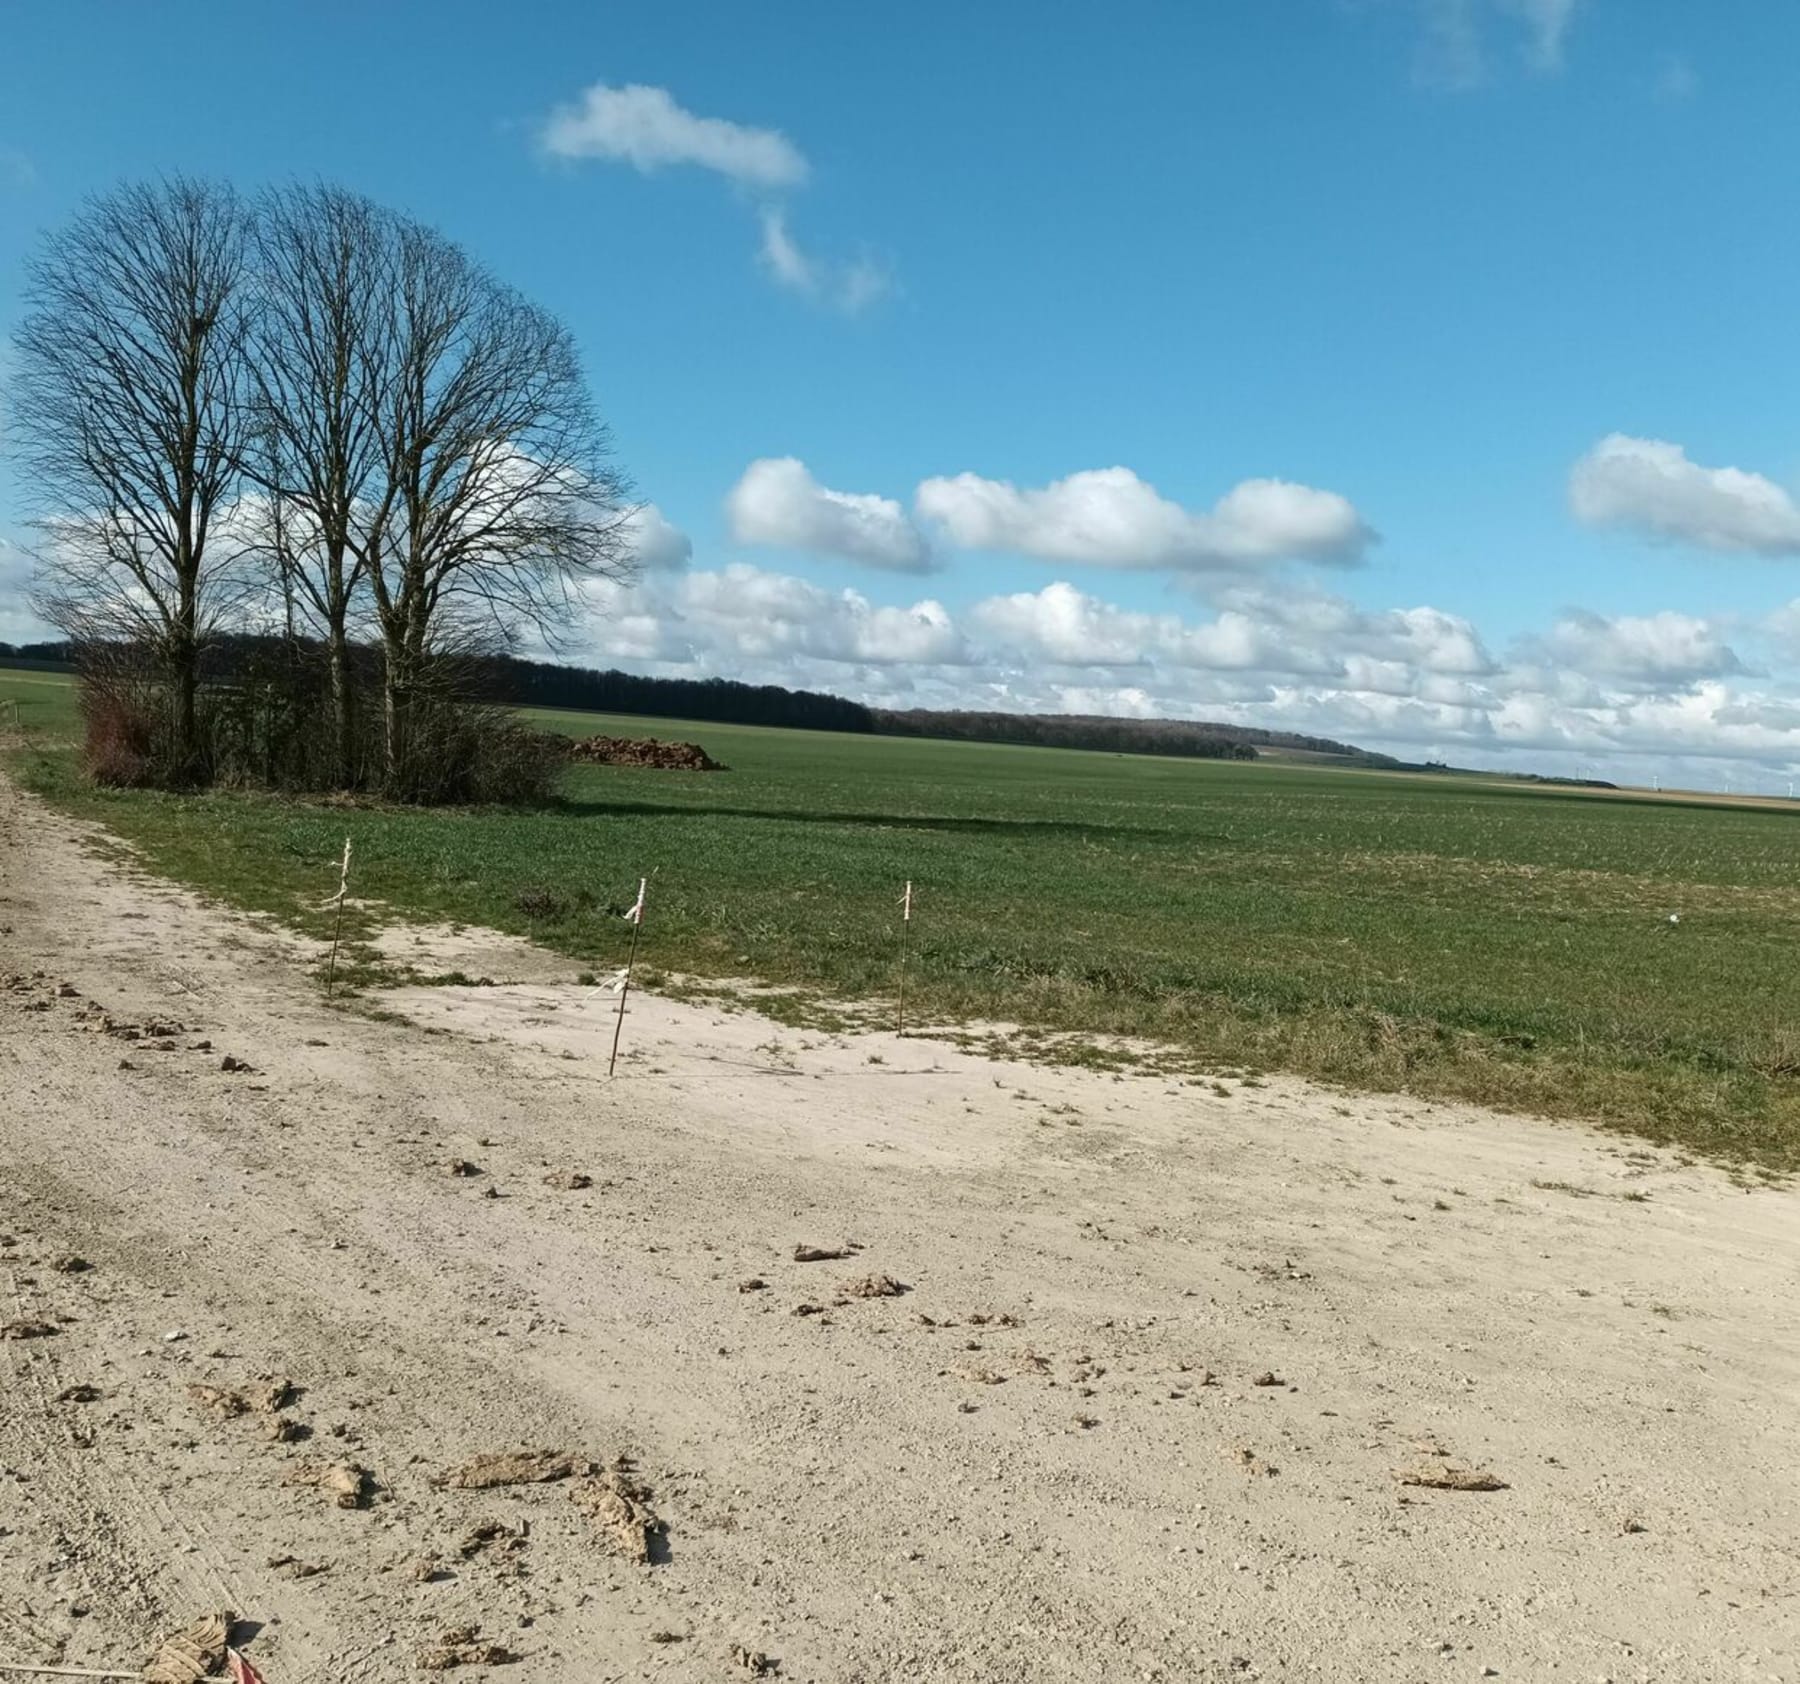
(620, 1506)
(1450, 1479)
(754, 1284)
(754, 1661)
(349, 1484)
(71, 1265)
(514, 1467)
(462, 1646)
(28, 1327)
(568, 1180)
(462, 1167)
(873, 1286)
(218, 1400)
(486, 1533)
(264, 1398)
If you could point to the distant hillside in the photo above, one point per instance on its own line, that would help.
(544, 684)
(1197, 739)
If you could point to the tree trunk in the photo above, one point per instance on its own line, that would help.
(184, 681)
(396, 697)
(343, 719)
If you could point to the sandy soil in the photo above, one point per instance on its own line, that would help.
(1140, 1413)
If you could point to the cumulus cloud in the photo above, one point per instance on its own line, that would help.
(656, 544)
(1067, 627)
(779, 503)
(645, 127)
(745, 620)
(1109, 517)
(1666, 649)
(1626, 697)
(1309, 634)
(19, 622)
(1651, 486)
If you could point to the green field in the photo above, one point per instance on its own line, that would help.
(1451, 937)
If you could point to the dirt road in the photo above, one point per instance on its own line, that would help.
(1140, 1413)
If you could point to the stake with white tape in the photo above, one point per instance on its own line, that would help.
(337, 926)
(635, 917)
(906, 905)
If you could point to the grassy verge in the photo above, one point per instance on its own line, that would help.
(1454, 938)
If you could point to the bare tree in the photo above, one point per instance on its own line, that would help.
(504, 501)
(322, 380)
(331, 389)
(129, 402)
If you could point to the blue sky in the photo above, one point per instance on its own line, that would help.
(1494, 291)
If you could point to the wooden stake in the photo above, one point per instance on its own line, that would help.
(65, 1671)
(905, 943)
(636, 915)
(337, 927)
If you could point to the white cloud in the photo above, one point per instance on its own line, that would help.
(1109, 517)
(782, 257)
(1305, 634)
(778, 502)
(657, 544)
(1651, 486)
(1628, 697)
(1453, 51)
(850, 287)
(744, 620)
(1067, 627)
(19, 622)
(1661, 650)
(644, 126)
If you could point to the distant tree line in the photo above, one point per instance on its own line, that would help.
(545, 685)
(44, 657)
(1117, 736)
(312, 417)
(1189, 739)
(513, 681)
